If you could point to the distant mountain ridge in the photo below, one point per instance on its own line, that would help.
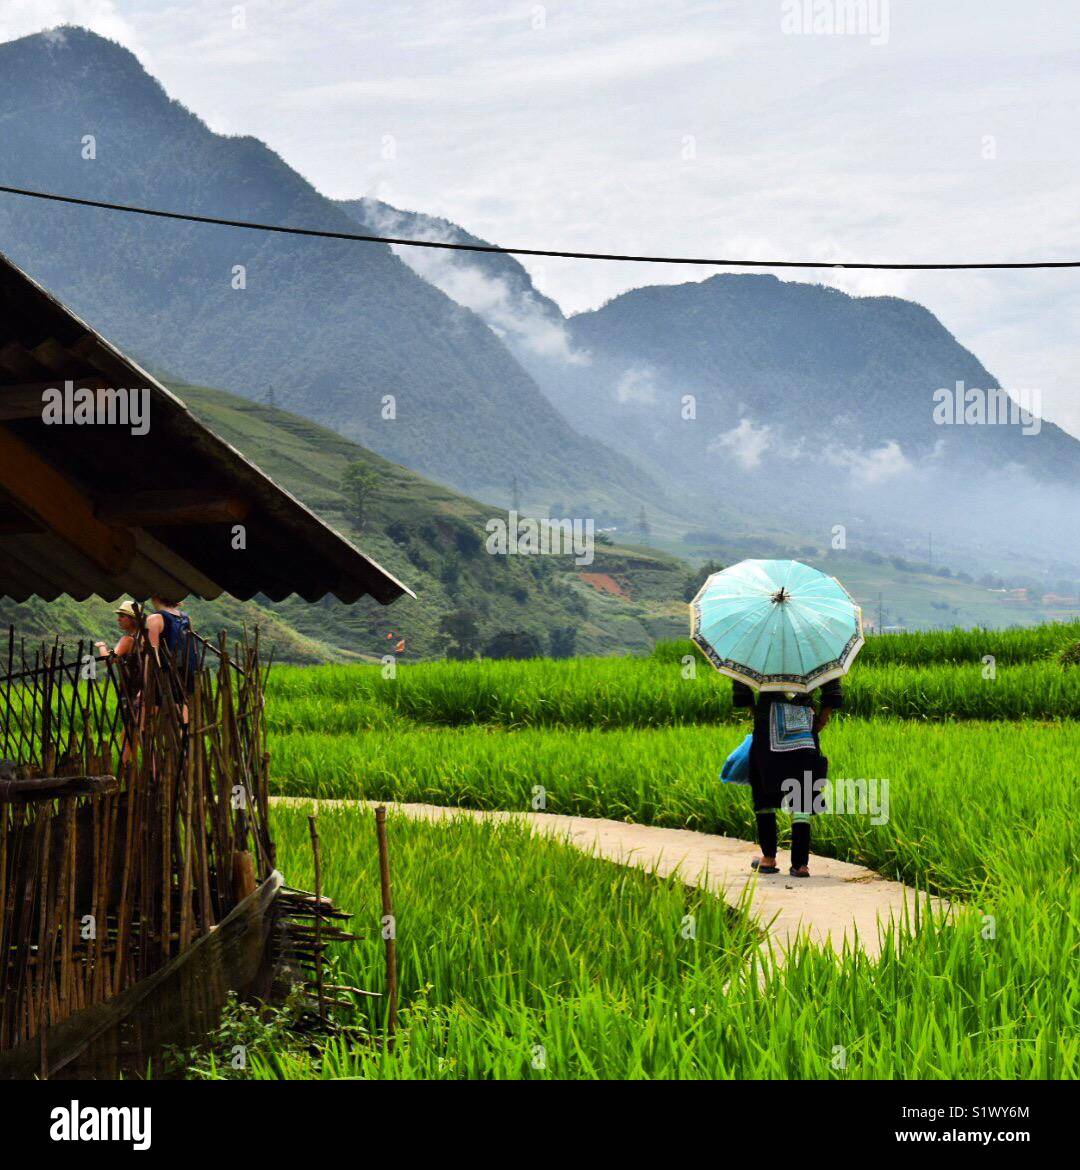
(343, 333)
(753, 398)
(741, 404)
(771, 346)
(494, 285)
(430, 537)
(811, 360)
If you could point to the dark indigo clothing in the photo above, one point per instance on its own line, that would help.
(800, 844)
(800, 839)
(771, 771)
(766, 833)
(832, 695)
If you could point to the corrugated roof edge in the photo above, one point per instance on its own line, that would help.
(337, 545)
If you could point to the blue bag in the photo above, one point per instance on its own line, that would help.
(182, 645)
(736, 769)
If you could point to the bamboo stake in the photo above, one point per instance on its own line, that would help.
(389, 926)
(7, 690)
(317, 854)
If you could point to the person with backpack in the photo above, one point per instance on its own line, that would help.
(170, 627)
(786, 746)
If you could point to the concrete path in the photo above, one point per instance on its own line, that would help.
(841, 903)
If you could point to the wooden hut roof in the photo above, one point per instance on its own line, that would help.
(95, 509)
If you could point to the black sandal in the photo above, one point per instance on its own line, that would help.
(795, 873)
(756, 864)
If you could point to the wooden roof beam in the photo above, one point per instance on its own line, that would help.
(46, 496)
(23, 400)
(172, 574)
(159, 509)
(18, 362)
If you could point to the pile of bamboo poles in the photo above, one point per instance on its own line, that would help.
(133, 819)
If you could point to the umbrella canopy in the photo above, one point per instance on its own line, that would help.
(776, 625)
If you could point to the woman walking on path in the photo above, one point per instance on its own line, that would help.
(787, 768)
(783, 632)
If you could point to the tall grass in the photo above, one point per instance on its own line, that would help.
(629, 692)
(958, 795)
(925, 647)
(522, 959)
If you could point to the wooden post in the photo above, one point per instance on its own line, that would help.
(313, 827)
(389, 930)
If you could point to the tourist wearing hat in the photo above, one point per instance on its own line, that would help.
(126, 653)
(127, 618)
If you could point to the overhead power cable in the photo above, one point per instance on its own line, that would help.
(715, 262)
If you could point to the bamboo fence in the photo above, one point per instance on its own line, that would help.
(130, 828)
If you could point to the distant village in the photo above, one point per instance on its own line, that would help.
(1025, 596)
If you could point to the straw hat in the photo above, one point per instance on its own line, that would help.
(128, 609)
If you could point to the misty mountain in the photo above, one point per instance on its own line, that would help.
(343, 333)
(827, 406)
(844, 375)
(753, 403)
(786, 399)
(495, 286)
(809, 362)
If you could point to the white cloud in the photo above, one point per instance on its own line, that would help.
(637, 385)
(686, 127)
(509, 311)
(746, 442)
(869, 468)
(20, 18)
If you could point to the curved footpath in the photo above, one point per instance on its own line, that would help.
(841, 903)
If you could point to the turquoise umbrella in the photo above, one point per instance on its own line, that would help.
(776, 625)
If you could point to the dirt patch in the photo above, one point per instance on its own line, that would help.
(604, 583)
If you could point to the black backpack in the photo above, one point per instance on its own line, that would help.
(183, 646)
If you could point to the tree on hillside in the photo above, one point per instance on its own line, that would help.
(358, 486)
(563, 640)
(514, 644)
(698, 578)
(460, 630)
(450, 570)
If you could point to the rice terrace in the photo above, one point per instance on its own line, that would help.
(539, 543)
(993, 993)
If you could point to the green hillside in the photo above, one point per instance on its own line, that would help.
(904, 591)
(430, 537)
(341, 331)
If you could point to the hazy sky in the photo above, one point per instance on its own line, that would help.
(938, 131)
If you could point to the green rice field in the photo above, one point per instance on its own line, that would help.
(921, 648)
(522, 958)
(641, 692)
